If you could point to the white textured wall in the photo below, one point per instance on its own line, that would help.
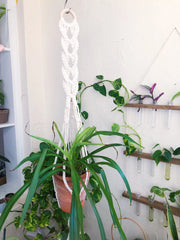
(117, 39)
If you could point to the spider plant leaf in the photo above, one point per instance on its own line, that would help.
(109, 133)
(114, 165)
(64, 152)
(111, 207)
(100, 224)
(171, 223)
(11, 203)
(34, 185)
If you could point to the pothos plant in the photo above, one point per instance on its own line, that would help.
(164, 154)
(162, 192)
(44, 215)
(119, 94)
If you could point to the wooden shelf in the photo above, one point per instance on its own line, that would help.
(156, 204)
(152, 106)
(148, 156)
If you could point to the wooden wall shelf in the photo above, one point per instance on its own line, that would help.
(152, 106)
(156, 204)
(148, 156)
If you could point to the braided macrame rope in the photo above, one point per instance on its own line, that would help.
(70, 46)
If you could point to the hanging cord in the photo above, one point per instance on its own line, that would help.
(70, 46)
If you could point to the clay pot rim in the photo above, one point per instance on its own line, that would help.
(67, 178)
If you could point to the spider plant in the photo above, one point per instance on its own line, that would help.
(70, 157)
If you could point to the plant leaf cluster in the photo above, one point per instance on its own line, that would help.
(71, 158)
(140, 97)
(164, 154)
(114, 92)
(120, 98)
(161, 193)
(2, 10)
(43, 210)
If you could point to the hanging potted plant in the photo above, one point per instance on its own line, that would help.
(69, 156)
(3, 112)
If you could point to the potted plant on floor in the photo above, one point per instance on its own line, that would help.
(69, 156)
(3, 112)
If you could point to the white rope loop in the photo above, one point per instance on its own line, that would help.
(70, 46)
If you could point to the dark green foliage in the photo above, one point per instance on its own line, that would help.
(164, 154)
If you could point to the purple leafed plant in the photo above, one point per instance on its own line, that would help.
(140, 98)
(151, 91)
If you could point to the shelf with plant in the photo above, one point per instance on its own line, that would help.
(141, 97)
(165, 207)
(160, 155)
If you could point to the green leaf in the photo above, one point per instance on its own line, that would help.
(157, 156)
(33, 186)
(175, 96)
(119, 101)
(115, 127)
(117, 84)
(96, 195)
(113, 93)
(80, 85)
(84, 114)
(159, 191)
(31, 222)
(176, 151)
(4, 158)
(100, 89)
(167, 155)
(171, 223)
(100, 224)
(100, 77)
(39, 237)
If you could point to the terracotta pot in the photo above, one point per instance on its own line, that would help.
(4, 115)
(63, 195)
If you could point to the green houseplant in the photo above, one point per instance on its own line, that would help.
(3, 112)
(161, 192)
(69, 156)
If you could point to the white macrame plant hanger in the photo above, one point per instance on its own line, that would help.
(69, 40)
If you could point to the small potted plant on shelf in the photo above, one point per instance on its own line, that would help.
(3, 112)
(3, 169)
(70, 156)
